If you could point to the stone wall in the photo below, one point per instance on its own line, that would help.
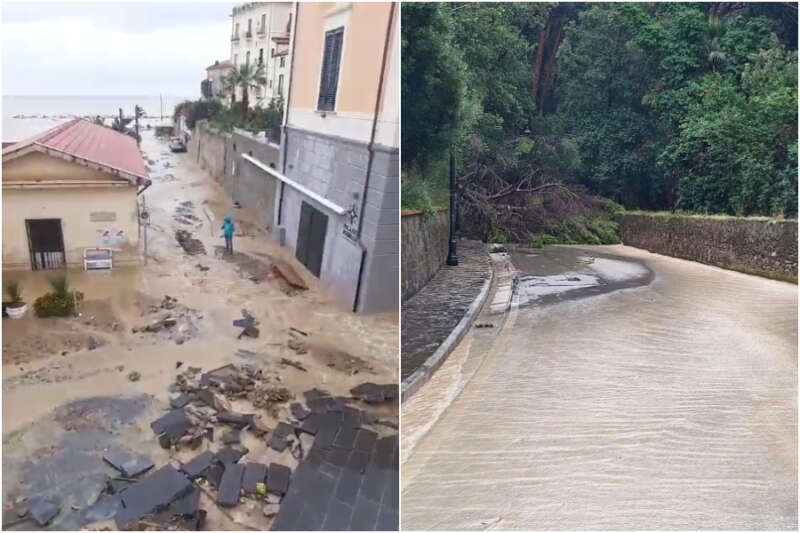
(207, 147)
(424, 241)
(761, 246)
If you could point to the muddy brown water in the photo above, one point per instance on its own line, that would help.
(671, 405)
(38, 385)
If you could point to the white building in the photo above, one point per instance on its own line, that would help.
(215, 74)
(259, 33)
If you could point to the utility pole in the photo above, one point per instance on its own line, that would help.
(136, 122)
(452, 255)
(145, 216)
(161, 105)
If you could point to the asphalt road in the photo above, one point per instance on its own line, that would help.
(627, 391)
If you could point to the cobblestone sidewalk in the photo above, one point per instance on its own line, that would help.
(430, 315)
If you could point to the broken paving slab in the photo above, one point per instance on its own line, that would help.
(299, 412)
(181, 401)
(374, 393)
(196, 466)
(189, 504)
(174, 424)
(43, 510)
(254, 473)
(231, 484)
(278, 478)
(238, 420)
(214, 475)
(151, 494)
(230, 455)
(233, 436)
(105, 509)
(129, 464)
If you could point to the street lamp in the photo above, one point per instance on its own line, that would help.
(452, 255)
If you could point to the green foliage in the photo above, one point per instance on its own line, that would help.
(60, 285)
(433, 84)
(13, 290)
(52, 304)
(422, 194)
(499, 237)
(666, 106)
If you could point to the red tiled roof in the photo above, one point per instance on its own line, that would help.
(91, 142)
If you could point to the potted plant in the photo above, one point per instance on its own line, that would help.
(16, 307)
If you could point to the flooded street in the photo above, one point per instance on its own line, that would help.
(624, 390)
(59, 370)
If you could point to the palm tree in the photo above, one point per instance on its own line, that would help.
(229, 84)
(716, 30)
(247, 76)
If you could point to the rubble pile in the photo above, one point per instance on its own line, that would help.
(174, 321)
(184, 214)
(189, 244)
(326, 435)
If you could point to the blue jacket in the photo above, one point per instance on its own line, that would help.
(227, 226)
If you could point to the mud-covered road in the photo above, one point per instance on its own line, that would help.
(58, 370)
(624, 390)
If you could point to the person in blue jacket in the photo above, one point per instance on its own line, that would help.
(227, 229)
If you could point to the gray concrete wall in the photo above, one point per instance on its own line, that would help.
(762, 246)
(336, 169)
(424, 238)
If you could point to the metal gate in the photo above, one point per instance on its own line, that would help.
(46, 243)
(311, 238)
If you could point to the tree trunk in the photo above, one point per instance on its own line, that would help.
(245, 102)
(538, 69)
(549, 67)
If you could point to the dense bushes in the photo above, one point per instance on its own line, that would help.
(226, 118)
(663, 106)
(59, 302)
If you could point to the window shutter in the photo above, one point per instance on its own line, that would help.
(330, 69)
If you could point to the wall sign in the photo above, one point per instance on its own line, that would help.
(102, 216)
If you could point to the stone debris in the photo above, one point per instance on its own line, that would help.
(248, 324)
(294, 364)
(134, 376)
(329, 438)
(43, 510)
(189, 244)
(128, 464)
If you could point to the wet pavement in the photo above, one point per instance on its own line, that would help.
(667, 401)
(431, 314)
(55, 365)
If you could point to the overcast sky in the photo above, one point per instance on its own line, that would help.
(111, 48)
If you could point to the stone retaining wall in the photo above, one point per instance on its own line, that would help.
(424, 244)
(760, 246)
(207, 147)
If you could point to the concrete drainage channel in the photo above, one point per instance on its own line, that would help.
(502, 273)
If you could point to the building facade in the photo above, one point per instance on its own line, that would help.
(214, 77)
(69, 189)
(341, 147)
(255, 26)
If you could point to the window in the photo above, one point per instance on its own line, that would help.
(261, 56)
(280, 85)
(249, 27)
(283, 61)
(247, 58)
(263, 23)
(235, 60)
(236, 32)
(330, 70)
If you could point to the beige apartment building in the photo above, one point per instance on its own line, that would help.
(341, 147)
(71, 189)
(259, 35)
(215, 75)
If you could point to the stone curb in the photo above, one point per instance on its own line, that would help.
(420, 376)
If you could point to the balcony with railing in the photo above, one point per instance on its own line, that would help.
(235, 38)
(248, 34)
(261, 30)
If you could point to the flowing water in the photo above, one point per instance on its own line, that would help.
(663, 396)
